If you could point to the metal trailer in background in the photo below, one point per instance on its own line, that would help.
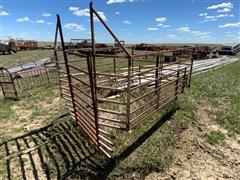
(229, 50)
(111, 93)
(24, 77)
(6, 48)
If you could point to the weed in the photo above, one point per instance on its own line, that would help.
(215, 137)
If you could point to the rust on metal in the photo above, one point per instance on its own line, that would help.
(108, 93)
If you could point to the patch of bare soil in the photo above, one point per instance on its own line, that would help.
(196, 159)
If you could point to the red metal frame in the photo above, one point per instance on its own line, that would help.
(116, 92)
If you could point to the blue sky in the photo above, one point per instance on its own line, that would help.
(135, 21)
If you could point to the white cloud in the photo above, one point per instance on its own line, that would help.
(161, 19)
(184, 29)
(1, 6)
(127, 22)
(40, 21)
(208, 20)
(118, 1)
(74, 27)
(222, 5)
(224, 10)
(222, 15)
(203, 14)
(163, 25)
(23, 19)
(86, 12)
(166, 26)
(230, 25)
(81, 12)
(102, 15)
(117, 12)
(46, 14)
(201, 34)
(231, 15)
(49, 23)
(4, 13)
(210, 17)
(153, 29)
(73, 8)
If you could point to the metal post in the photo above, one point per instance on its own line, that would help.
(66, 65)
(129, 93)
(190, 74)
(157, 80)
(184, 79)
(56, 58)
(95, 106)
(176, 87)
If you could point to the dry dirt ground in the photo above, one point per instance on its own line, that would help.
(196, 159)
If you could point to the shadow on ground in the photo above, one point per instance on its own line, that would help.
(60, 151)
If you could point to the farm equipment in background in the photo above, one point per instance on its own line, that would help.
(117, 47)
(26, 44)
(229, 50)
(83, 46)
(7, 48)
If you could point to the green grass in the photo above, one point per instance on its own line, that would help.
(24, 57)
(218, 89)
(215, 137)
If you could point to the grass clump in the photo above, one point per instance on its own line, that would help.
(215, 137)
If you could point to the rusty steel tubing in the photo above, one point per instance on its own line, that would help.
(77, 88)
(105, 146)
(171, 94)
(111, 112)
(111, 75)
(111, 126)
(111, 101)
(111, 56)
(148, 93)
(151, 81)
(81, 99)
(136, 123)
(152, 69)
(110, 31)
(81, 81)
(83, 126)
(154, 90)
(85, 113)
(73, 67)
(66, 61)
(112, 120)
(110, 88)
(145, 104)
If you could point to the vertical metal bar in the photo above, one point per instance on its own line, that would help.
(176, 87)
(66, 65)
(184, 79)
(132, 60)
(114, 68)
(157, 80)
(56, 58)
(48, 79)
(190, 73)
(94, 89)
(156, 73)
(1, 84)
(129, 93)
